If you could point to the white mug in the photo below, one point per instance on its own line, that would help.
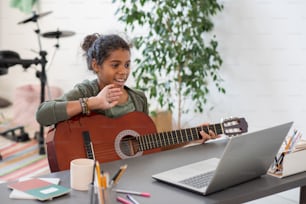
(81, 173)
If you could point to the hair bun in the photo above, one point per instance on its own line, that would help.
(89, 40)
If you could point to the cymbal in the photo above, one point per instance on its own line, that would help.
(35, 17)
(58, 34)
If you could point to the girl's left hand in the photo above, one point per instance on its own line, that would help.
(206, 137)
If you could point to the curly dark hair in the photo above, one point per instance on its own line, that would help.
(99, 47)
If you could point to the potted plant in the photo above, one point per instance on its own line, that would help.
(179, 60)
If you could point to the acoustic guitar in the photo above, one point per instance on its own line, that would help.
(108, 139)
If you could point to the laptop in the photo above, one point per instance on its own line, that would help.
(245, 157)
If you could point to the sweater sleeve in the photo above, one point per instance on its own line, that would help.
(51, 112)
(54, 111)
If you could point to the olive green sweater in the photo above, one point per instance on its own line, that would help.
(54, 111)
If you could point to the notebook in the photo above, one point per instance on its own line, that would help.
(39, 189)
(245, 157)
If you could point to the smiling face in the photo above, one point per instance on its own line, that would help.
(115, 69)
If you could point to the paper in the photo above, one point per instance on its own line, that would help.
(38, 189)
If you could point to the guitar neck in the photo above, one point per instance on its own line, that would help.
(164, 139)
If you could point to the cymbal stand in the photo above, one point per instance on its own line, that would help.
(56, 47)
(43, 79)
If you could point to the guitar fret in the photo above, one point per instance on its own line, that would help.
(143, 143)
(221, 130)
(171, 139)
(192, 135)
(146, 142)
(177, 139)
(140, 143)
(187, 136)
(155, 140)
(174, 139)
(152, 141)
(195, 131)
(149, 142)
(195, 136)
(167, 139)
(159, 141)
(163, 139)
(180, 141)
(180, 132)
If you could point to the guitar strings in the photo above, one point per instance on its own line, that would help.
(156, 140)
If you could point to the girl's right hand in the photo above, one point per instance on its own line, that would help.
(107, 98)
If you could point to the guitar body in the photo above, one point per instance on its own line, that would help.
(65, 142)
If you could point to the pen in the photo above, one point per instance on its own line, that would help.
(288, 144)
(99, 180)
(118, 175)
(294, 141)
(144, 194)
(122, 200)
(132, 199)
(280, 161)
(93, 173)
(98, 172)
(103, 180)
(93, 183)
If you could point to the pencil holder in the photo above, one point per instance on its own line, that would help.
(100, 195)
(291, 164)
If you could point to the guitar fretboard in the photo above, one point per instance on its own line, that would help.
(164, 139)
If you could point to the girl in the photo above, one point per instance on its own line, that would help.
(109, 56)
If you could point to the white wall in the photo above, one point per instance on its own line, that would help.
(262, 43)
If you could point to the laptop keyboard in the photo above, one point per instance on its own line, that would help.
(198, 181)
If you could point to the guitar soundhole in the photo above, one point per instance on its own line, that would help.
(129, 145)
(126, 144)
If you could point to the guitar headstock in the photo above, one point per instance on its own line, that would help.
(235, 126)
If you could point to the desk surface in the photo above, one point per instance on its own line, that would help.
(138, 178)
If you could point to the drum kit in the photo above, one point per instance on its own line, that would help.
(10, 58)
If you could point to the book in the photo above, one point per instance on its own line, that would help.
(39, 189)
(16, 194)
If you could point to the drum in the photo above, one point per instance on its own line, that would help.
(5, 57)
